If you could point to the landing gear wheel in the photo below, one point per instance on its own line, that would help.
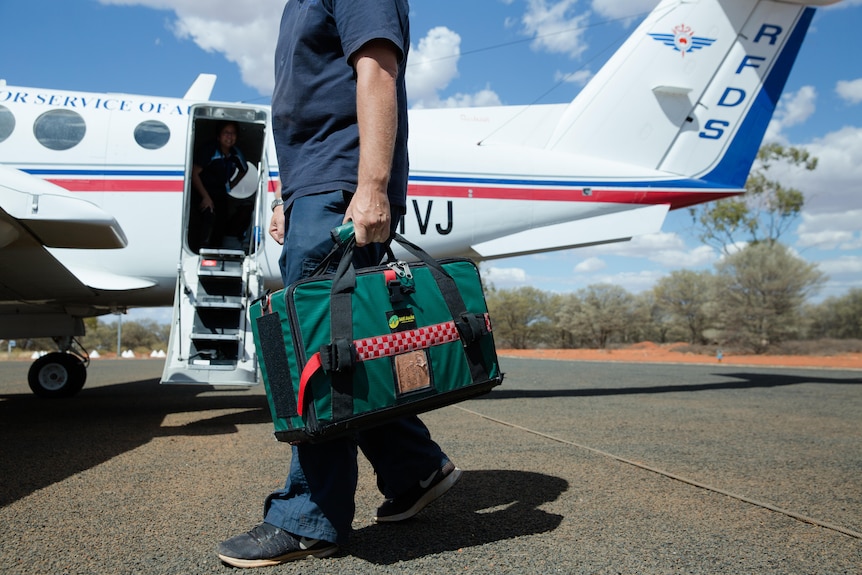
(57, 374)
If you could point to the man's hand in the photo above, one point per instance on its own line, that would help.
(276, 225)
(369, 212)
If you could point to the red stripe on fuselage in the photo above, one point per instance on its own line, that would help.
(674, 198)
(120, 185)
(129, 185)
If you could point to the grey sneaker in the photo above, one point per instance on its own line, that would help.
(413, 501)
(267, 545)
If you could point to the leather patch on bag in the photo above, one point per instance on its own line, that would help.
(411, 372)
(411, 369)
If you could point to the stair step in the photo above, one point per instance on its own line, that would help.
(200, 336)
(220, 302)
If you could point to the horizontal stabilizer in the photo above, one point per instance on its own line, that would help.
(615, 227)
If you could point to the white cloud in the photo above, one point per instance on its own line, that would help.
(633, 282)
(626, 9)
(850, 220)
(590, 265)
(836, 185)
(828, 240)
(433, 64)
(244, 31)
(503, 277)
(697, 257)
(850, 91)
(798, 106)
(555, 27)
(842, 266)
(580, 77)
(793, 109)
(829, 231)
(664, 248)
(486, 97)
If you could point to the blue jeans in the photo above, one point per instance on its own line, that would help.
(318, 497)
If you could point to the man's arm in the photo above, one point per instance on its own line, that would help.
(376, 65)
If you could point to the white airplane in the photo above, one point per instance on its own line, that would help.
(95, 192)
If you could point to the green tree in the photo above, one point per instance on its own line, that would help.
(686, 297)
(559, 337)
(838, 317)
(766, 210)
(657, 323)
(519, 316)
(141, 336)
(597, 313)
(762, 290)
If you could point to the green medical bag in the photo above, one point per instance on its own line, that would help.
(340, 352)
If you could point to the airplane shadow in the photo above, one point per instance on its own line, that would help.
(46, 441)
(486, 506)
(742, 381)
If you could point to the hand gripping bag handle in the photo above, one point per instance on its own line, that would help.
(339, 356)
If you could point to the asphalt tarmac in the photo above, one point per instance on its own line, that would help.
(569, 467)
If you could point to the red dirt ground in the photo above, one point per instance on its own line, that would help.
(651, 352)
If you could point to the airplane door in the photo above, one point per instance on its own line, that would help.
(221, 247)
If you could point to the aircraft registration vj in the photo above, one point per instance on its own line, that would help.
(97, 209)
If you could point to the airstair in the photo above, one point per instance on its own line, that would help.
(211, 340)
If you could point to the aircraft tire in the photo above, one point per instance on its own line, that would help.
(57, 374)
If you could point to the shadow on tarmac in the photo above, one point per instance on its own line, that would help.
(46, 441)
(487, 506)
(743, 381)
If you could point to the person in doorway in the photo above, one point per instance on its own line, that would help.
(217, 168)
(339, 115)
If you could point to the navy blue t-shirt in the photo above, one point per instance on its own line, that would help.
(314, 102)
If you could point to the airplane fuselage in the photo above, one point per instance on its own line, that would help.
(462, 192)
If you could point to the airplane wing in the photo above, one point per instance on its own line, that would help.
(35, 215)
(614, 227)
(54, 216)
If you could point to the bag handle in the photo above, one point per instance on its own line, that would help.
(344, 283)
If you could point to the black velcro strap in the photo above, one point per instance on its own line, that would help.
(340, 355)
(471, 327)
(341, 332)
(272, 351)
(396, 294)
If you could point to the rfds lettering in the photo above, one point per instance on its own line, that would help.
(735, 96)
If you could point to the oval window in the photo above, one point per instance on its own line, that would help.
(7, 123)
(60, 129)
(152, 134)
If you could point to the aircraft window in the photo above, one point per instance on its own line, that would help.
(7, 123)
(59, 129)
(152, 134)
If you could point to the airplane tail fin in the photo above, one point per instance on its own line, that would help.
(692, 90)
(202, 88)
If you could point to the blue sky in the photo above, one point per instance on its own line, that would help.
(472, 52)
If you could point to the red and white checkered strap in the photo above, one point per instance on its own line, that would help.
(405, 341)
(388, 345)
